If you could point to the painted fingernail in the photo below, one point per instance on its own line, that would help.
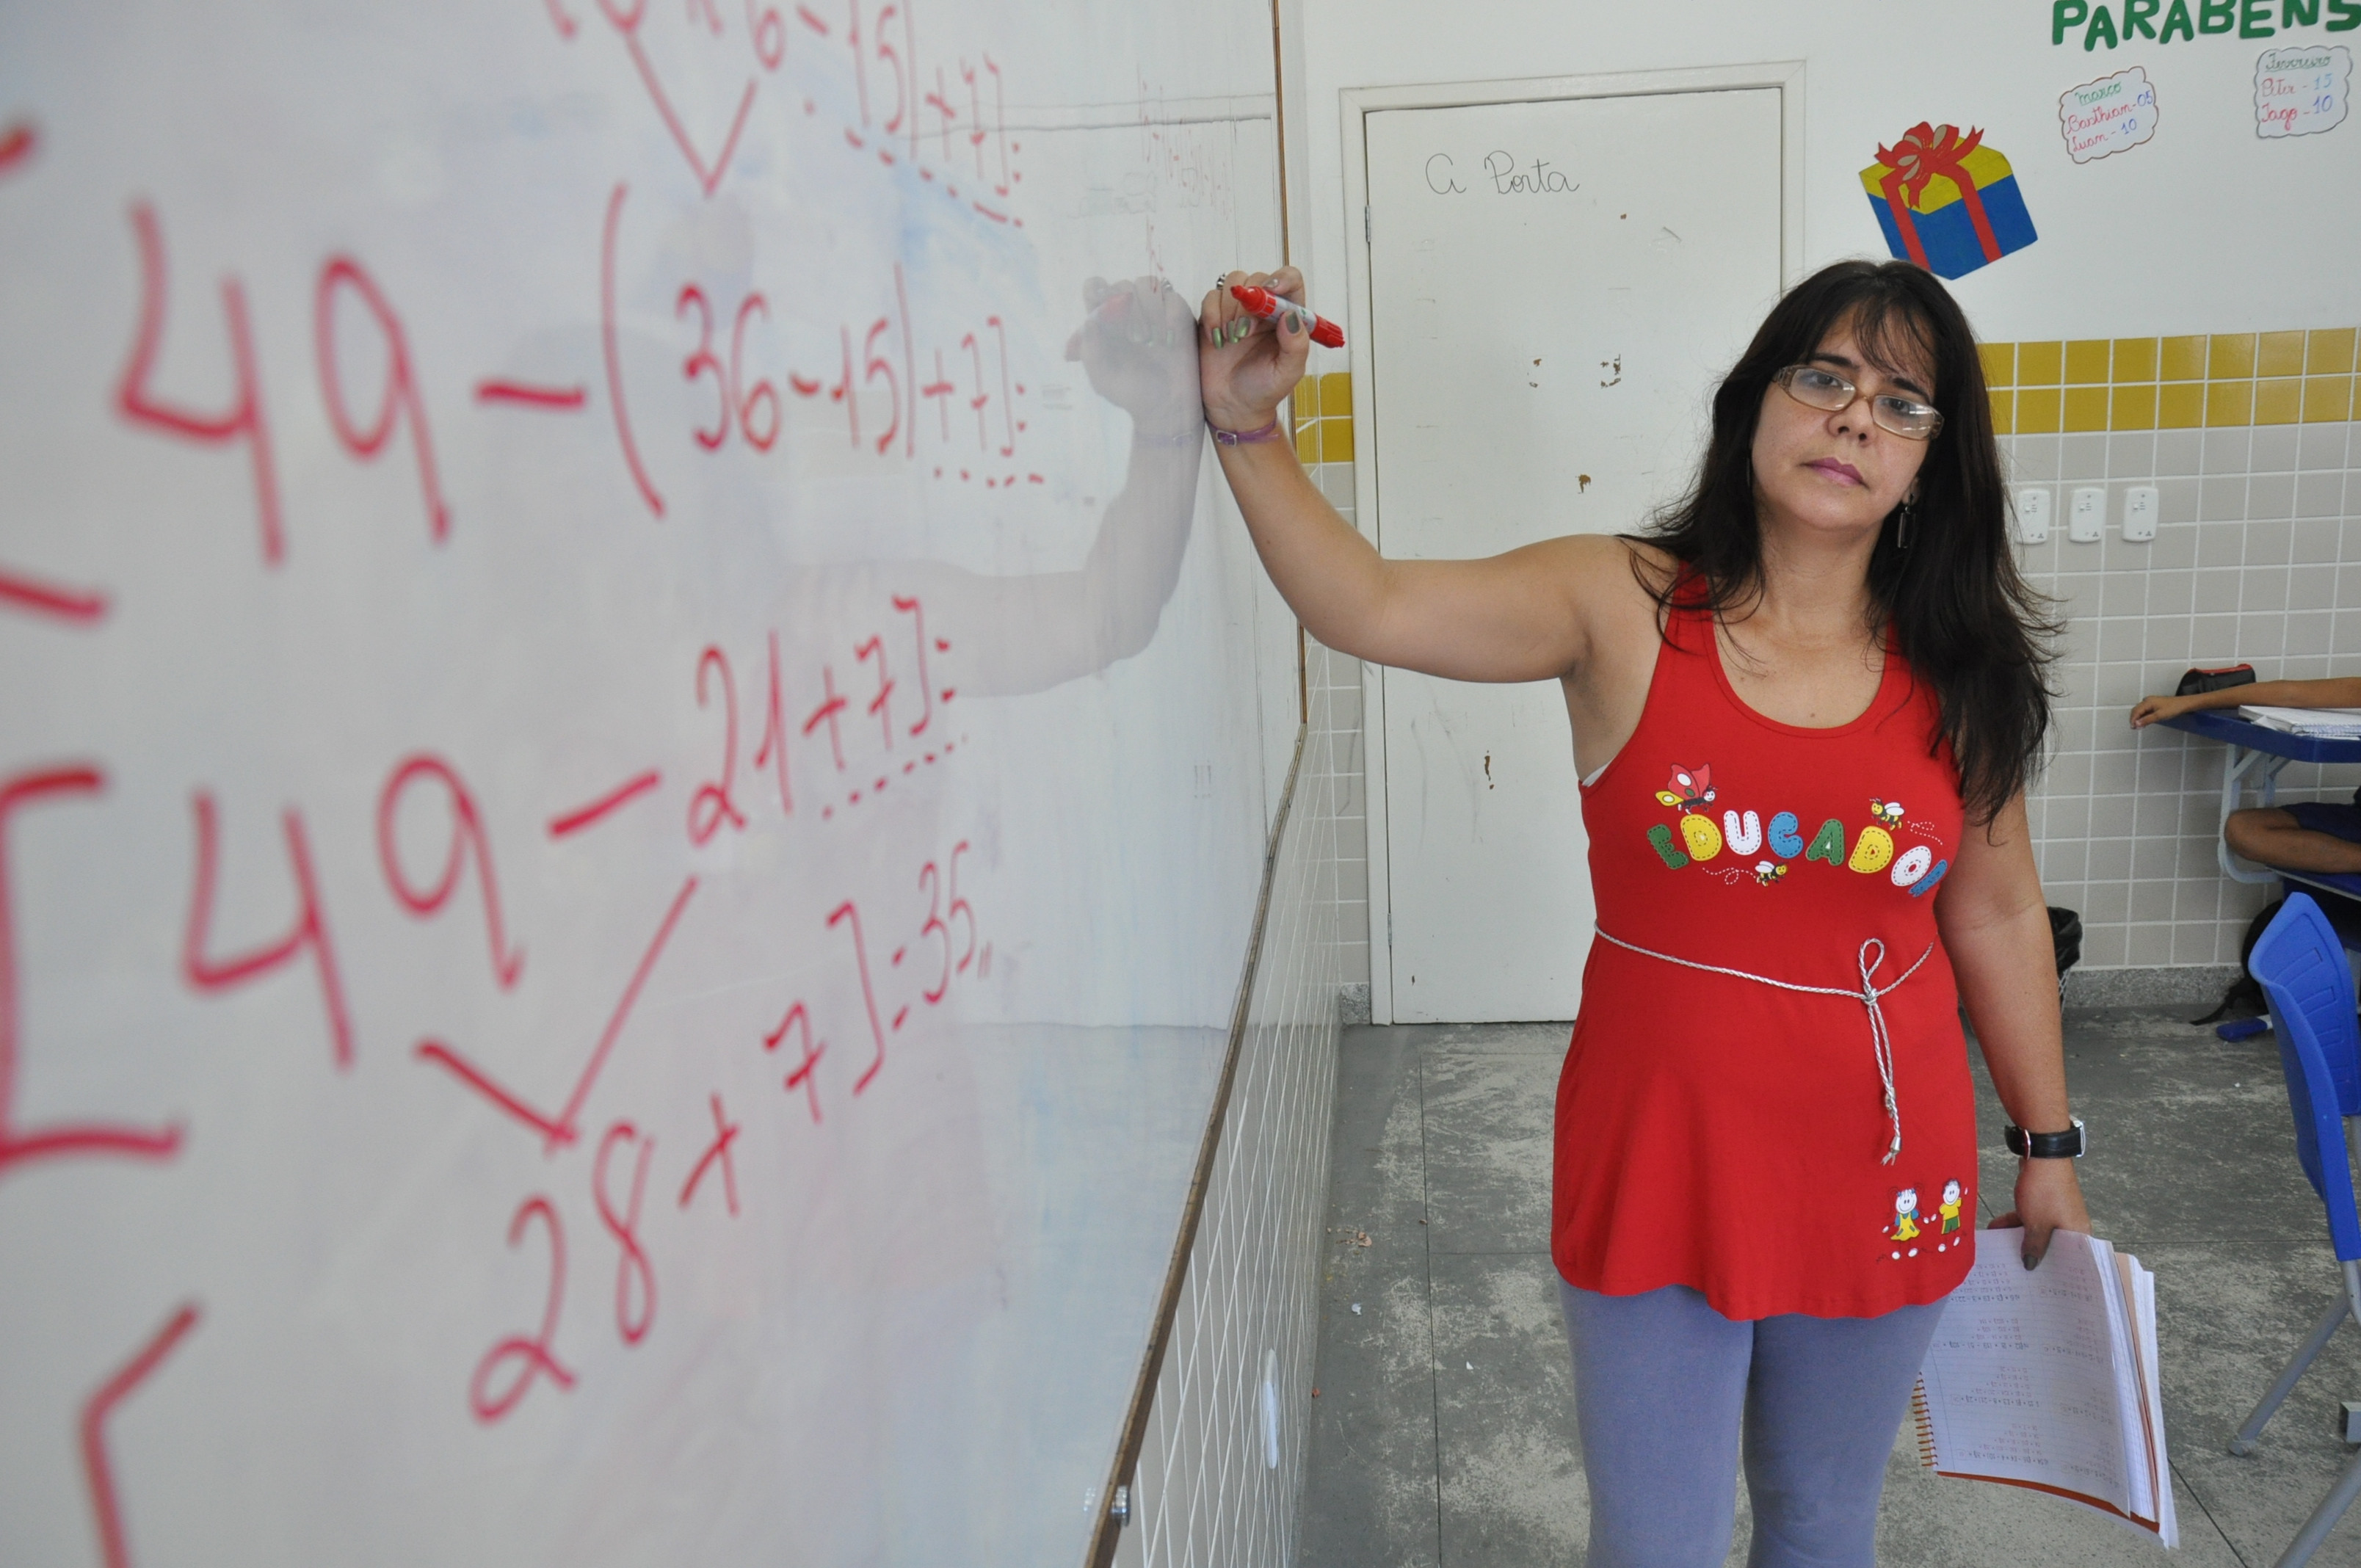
(2030, 1262)
(1294, 322)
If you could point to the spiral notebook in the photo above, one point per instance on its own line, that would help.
(2048, 1380)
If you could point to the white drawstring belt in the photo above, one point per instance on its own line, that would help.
(1872, 957)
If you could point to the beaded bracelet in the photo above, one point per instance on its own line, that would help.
(1245, 437)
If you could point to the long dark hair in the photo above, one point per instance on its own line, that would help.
(1952, 603)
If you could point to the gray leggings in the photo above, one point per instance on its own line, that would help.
(1661, 1380)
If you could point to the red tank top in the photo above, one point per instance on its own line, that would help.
(1723, 1119)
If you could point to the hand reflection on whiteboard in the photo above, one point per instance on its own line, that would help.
(1137, 344)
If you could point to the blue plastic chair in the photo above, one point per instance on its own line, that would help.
(2303, 968)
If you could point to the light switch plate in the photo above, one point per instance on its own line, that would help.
(2140, 514)
(2086, 515)
(2032, 517)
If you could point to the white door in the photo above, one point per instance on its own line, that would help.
(1555, 288)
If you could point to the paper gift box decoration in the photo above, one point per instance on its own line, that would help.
(1946, 201)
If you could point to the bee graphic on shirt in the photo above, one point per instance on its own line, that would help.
(1768, 873)
(1887, 812)
(1689, 788)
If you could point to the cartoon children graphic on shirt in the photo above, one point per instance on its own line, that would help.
(1948, 1214)
(1907, 1218)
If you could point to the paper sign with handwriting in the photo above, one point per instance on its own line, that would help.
(2108, 116)
(2302, 92)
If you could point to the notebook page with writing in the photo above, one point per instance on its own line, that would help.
(2167, 1519)
(2131, 1405)
(2021, 1383)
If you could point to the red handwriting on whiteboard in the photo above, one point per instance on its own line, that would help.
(826, 713)
(567, 823)
(912, 608)
(562, 1128)
(877, 361)
(113, 1544)
(611, 345)
(467, 837)
(529, 1355)
(847, 912)
(798, 1019)
(725, 1132)
(308, 934)
(243, 420)
(17, 1146)
(745, 400)
(709, 172)
(82, 607)
(531, 395)
(774, 736)
(712, 805)
(16, 147)
(400, 399)
(631, 1268)
(878, 705)
(701, 362)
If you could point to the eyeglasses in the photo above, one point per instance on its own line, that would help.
(1817, 389)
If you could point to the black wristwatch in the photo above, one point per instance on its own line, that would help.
(2068, 1144)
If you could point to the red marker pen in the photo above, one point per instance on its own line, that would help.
(1266, 304)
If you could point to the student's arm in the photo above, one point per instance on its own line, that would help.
(2340, 691)
(1995, 928)
(1517, 617)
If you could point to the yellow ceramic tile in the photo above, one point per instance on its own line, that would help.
(2000, 363)
(2134, 359)
(2036, 410)
(2086, 408)
(2230, 402)
(2180, 405)
(2331, 353)
(2003, 407)
(2230, 357)
(2280, 354)
(1307, 397)
(2135, 408)
(2038, 364)
(1336, 393)
(2279, 402)
(2327, 398)
(1307, 440)
(2183, 359)
(1336, 440)
(2086, 361)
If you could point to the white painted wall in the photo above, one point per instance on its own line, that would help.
(2206, 228)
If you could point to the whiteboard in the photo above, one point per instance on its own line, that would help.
(631, 776)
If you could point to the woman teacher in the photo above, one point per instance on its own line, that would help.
(1804, 702)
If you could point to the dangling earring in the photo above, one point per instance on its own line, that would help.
(1902, 523)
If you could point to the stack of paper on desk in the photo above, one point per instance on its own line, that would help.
(2048, 1380)
(2328, 723)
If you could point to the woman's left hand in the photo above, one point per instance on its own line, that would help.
(2048, 1197)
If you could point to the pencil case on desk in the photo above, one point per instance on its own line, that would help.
(2197, 681)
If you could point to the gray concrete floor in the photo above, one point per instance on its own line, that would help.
(1443, 1430)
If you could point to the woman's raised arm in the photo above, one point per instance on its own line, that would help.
(1522, 616)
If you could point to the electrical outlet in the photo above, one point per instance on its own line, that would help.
(2140, 514)
(2086, 515)
(2032, 517)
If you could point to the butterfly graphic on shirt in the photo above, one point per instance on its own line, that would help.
(1689, 788)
